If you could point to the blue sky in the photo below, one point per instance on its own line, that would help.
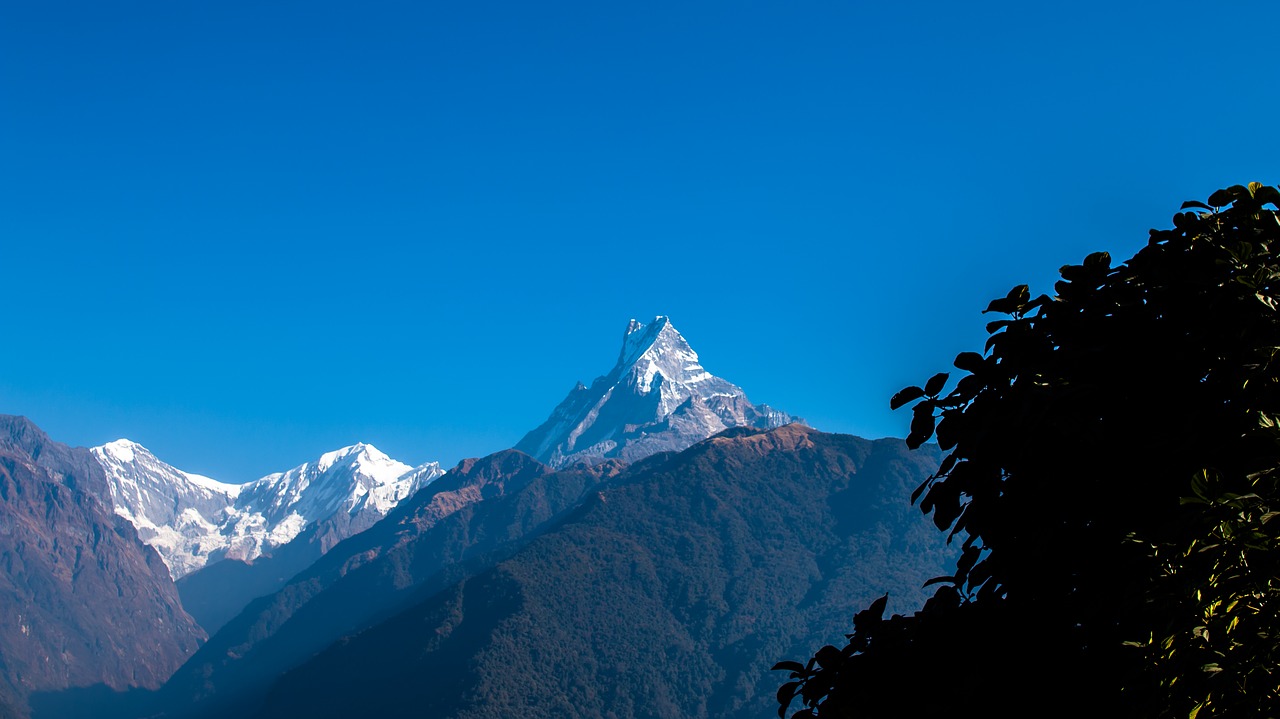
(247, 233)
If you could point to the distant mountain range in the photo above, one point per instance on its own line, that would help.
(193, 520)
(664, 588)
(656, 398)
(228, 543)
(649, 550)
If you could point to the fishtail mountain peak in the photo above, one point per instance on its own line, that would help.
(658, 397)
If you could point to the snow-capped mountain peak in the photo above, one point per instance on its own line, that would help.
(192, 520)
(338, 480)
(657, 348)
(121, 449)
(657, 397)
(126, 452)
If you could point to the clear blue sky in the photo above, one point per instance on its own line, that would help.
(247, 233)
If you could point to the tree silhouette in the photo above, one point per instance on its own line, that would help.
(1111, 482)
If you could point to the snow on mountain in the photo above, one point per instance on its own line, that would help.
(658, 397)
(176, 512)
(193, 520)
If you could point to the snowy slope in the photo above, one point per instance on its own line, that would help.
(176, 512)
(658, 397)
(193, 520)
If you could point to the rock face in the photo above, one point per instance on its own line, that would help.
(657, 398)
(82, 600)
(193, 520)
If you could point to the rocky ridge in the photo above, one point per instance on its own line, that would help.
(85, 601)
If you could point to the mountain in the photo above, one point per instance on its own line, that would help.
(178, 513)
(228, 543)
(84, 600)
(657, 398)
(273, 510)
(480, 511)
(666, 588)
(192, 520)
(217, 593)
(669, 592)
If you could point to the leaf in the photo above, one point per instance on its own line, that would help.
(980, 573)
(1197, 205)
(967, 559)
(877, 607)
(1073, 273)
(923, 486)
(1002, 305)
(1267, 195)
(863, 620)
(1011, 302)
(904, 396)
(1098, 261)
(935, 384)
(946, 501)
(1221, 198)
(968, 387)
(969, 361)
(921, 426)
(938, 580)
(788, 666)
(786, 693)
(943, 517)
(947, 433)
(828, 658)
(947, 463)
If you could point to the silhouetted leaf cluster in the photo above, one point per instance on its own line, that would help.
(1112, 473)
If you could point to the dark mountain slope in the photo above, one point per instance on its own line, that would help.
(216, 593)
(669, 593)
(428, 542)
(82, 600)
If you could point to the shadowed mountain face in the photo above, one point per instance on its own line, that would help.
(481, 511)
(215, 594)
(669, 593)
(657, 398)
(667, 588)
(82, 600)
(227, 544)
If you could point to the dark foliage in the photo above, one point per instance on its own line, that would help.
(1112, 477)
